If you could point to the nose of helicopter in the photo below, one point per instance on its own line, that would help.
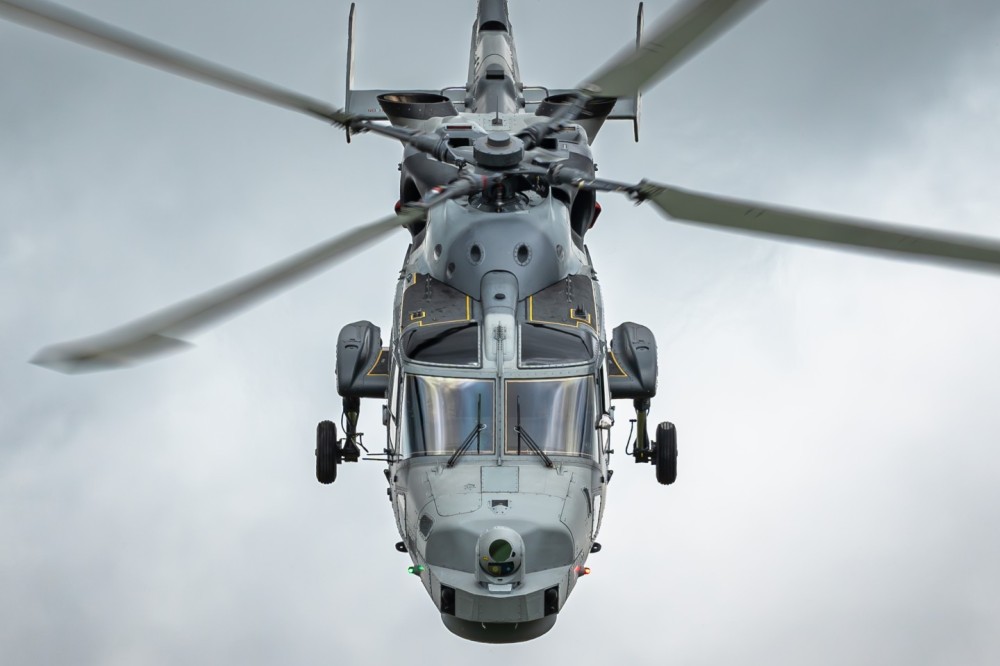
(501, 563)
(504, 599)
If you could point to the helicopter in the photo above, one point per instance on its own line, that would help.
(431, 344)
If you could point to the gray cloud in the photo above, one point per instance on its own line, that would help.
(837, 500)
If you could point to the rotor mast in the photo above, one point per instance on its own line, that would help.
(494, 84)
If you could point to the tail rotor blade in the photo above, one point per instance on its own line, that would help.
(153, 334)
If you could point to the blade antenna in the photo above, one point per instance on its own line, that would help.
(640, 21)
(350, 66)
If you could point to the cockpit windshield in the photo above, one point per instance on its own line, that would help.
(449, 345)
(551, 345)
(557, 414)
(440, 413)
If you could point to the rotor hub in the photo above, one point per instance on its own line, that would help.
(498, 150)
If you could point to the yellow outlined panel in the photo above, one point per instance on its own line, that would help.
(442, 299)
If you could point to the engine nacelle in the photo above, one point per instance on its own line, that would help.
(407, 109)
(362, 362)
(632, 362)
(591, 118)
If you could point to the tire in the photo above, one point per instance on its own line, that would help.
(666, 453)
(327, 452)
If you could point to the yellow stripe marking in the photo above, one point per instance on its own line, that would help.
(378, 358)
(614, 360)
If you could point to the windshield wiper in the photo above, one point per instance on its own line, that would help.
(521, 432)
(476, 429)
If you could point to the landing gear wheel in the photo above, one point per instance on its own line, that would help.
(327, 452)
(666, 453)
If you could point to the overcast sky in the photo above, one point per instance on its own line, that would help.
(839, 416)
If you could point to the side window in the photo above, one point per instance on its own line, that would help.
(604, 407)
(597, 515)
(391, 422)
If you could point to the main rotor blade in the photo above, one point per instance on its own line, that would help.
(153, 334)
(73, 25)
(683, 31)
(924, 245)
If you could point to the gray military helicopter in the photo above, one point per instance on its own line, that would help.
(498, 377)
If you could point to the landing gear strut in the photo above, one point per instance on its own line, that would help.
(352, 438)
(662, 452)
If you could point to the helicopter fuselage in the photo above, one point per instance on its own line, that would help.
(498, 404)
(497, 336)
(496, 376)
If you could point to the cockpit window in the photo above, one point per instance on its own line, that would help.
(556, 414)
(440, 413)
(547, 345)
(449, 345)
